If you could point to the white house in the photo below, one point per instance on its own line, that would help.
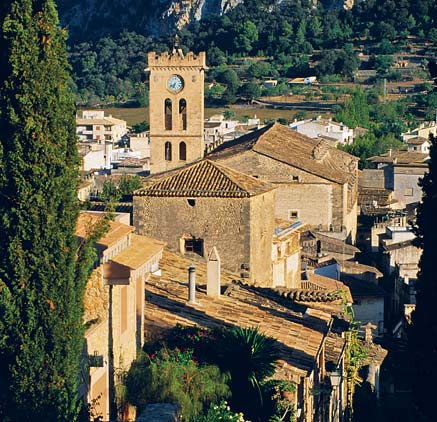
(422, 131)
(94, 125)
(140, 142)
(328, 129)
(419, 144)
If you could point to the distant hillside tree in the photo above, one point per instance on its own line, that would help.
(42, 269)
(424, 332)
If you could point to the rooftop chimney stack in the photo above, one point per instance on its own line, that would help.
(213, 274)
(192, 284)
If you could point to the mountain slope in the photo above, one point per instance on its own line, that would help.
(88, 19)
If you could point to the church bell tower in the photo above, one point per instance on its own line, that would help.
(176, 96)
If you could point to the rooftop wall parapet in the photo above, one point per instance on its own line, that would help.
(176, 59)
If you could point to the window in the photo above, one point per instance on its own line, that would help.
(168, 114)
(295, 178)
(194, 245)
(182, 151)
(97, 127)
(191, 202)
(167, 147)
(293, 214)
(182, 114)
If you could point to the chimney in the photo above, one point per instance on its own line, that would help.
(192, 284)
(213, 274)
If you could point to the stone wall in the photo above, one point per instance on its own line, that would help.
(406, 189)
(262, 226)
(372, 179)
(220, 222)
(318, 201)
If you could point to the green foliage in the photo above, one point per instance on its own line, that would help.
(383, 64)
(220, 412)
(369, 145)
(110, 192)
(250, 90)
(250, 357)
(423, 335)
(172, 376)
(113, 192)
(140, 127)
(355, 111)
(128, 184)
(341, 62)
(355, 355)
(42, 269)
(110, 68)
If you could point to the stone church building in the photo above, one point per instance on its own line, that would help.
(316, 183)
(207, 204)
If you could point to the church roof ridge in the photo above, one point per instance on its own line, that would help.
(287, 146)
(206, 179)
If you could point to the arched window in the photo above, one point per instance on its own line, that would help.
(167, 147)
(183, 151)
(168, 114)
(182, 114)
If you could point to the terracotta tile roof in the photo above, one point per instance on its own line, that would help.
(175, 268)
(298, 328)
(133, 162)
(334, 346)
(119, 207)
(417, 140)
(206, 179)
(331, 244)
(400, 157)
(141, 250)
(299, 334)
(345, 265)
(290, 147)
(398, 245)
(383, 197)
(87, 222)
(330, 284)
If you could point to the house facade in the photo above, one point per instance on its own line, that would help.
(93, 125)
(113, 311)
(318, 127)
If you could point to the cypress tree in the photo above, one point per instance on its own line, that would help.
(42, 270)
(423, 336)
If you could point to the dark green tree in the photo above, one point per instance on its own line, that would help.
(423, 336)
(172, 376)
(42, 269)
(250, 357)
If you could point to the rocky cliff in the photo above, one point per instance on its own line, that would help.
(95, 18)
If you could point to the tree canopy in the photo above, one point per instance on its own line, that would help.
(423, 336)
(42, 269)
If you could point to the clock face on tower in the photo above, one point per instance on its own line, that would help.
(175, 83)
